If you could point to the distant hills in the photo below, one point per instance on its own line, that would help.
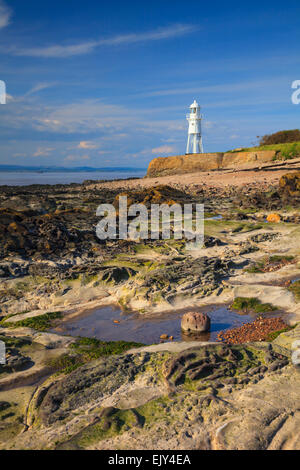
(48, 169)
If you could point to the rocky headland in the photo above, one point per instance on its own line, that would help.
(266, 156)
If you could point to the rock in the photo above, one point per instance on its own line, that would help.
(290, 184)
(264, 237)
(274, 218)
(15, 361)
(195, 322)
(52, 340)
(117, 274)
(181, 279)
(181, 164)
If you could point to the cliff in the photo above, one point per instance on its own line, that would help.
(163, 166)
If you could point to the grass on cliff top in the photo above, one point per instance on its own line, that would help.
(285, 151)
(251, 304)
(40, 323)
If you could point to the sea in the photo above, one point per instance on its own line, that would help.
(22, 178)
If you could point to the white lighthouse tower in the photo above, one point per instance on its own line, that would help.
(194, 134)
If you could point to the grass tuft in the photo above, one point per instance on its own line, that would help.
(251, 304)
(295, 288)
(40, 323)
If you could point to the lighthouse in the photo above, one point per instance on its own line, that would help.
(194, 134)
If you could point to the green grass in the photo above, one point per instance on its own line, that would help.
(251, 304)
(285, 151)
(295, 288)
(11, 342)
(88, 349)
(113, 422)
(272, 336)
(65, 364)
(279, 258)
(216, 228)
(255, 268)
(246, 227)
(92, 348)
(260, 265)
(40, 323)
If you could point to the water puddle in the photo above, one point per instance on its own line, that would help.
(284, 282)
(110, 323)
(215, 217)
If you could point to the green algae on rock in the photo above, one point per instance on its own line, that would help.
(251, 304)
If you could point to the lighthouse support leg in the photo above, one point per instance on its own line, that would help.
(194, 143)
(201, 145)
(188, 145)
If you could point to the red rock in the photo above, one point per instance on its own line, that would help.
(164, 336)
(195, 322)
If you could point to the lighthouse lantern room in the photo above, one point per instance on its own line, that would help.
(194, 143)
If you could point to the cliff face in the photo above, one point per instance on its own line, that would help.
(163, 166)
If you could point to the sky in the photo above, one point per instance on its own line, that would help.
(106, 84)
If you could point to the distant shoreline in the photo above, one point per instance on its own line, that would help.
(76, 176)
(26, 169)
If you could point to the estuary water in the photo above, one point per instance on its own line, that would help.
(23, 178)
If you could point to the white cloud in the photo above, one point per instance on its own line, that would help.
(224, 88)
(57, 51)
(86, 145)
(9, 98)
(62, 51)
(54, 122)
(5, 14)
(38, 87)
(43, 152)
(163, 149)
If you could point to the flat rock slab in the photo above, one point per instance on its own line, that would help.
(52, 340)
(171, 347)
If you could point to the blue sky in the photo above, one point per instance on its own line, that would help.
(99, 83)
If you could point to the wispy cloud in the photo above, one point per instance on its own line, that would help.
(76, 158)
(164, 149)
(62, 51)
(86, 145)
(5, 14)
(43, 152)
(232, 87)
(39, 87)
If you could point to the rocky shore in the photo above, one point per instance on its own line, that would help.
(62, 392)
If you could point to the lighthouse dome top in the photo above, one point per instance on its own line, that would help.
(195, 105)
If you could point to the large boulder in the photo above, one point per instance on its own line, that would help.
(290, 184)
(193, 322)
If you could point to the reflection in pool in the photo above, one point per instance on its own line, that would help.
(100, 324)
